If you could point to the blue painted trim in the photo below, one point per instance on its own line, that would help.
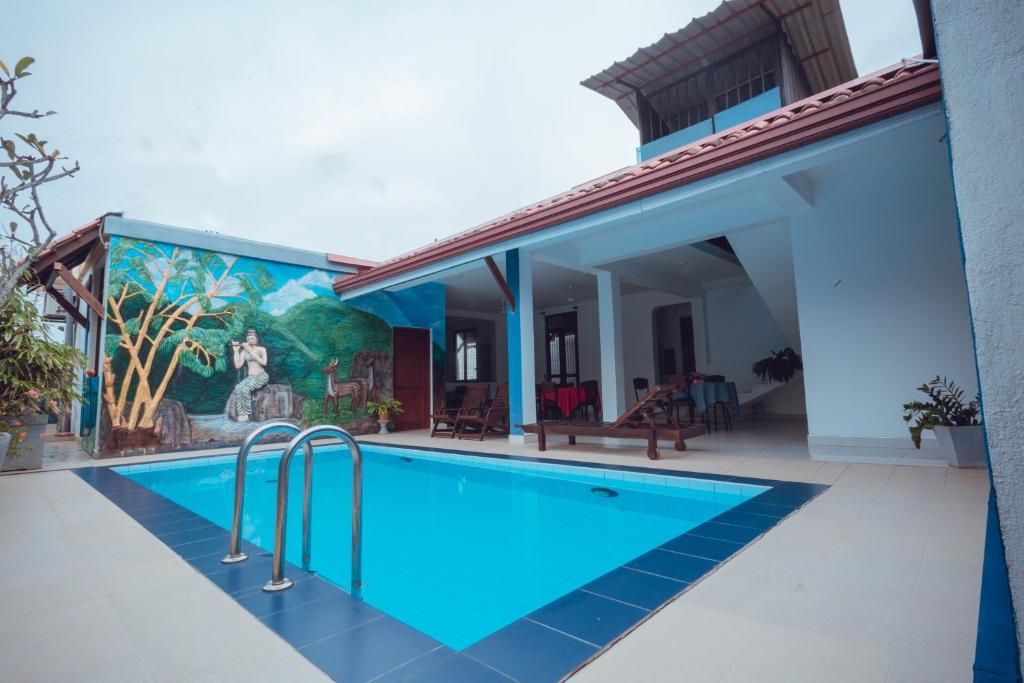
(996, 655)
(675, 140)
(748, 110)
(513, 325)
(353, 641)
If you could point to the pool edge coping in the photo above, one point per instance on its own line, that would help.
(799, 495)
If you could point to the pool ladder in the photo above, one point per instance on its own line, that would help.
(278, 581)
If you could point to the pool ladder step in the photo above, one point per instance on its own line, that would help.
(301, 439)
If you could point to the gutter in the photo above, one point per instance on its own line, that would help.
(821, 116)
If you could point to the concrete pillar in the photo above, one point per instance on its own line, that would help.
(521, 368)
(981, 58)
(609, 314)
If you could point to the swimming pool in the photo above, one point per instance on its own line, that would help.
(457, 546)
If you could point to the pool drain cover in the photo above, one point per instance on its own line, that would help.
(604, 492)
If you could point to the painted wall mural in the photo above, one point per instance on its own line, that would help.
(202, 347)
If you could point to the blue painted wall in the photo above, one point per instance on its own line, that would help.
(753, 108)
(744, 111)
(996, 658)
(674, 140)
(513, 321)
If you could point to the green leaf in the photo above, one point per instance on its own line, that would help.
(111, 343)
(4, 67)
(50, 113)
(23, 63)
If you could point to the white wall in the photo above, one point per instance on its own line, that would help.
(784, 401)
(880, 291)
(766, 253)
(638, 335)
(740, 330)
(980, 48)
(498, 338)
(732, 329)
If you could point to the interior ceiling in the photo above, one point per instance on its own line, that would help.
(474, 289)
(700, 263)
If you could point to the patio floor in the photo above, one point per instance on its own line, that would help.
(876, 580)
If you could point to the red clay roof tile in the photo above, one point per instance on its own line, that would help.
(749, 139)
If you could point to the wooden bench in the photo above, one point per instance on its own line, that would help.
(636, 423)
(607, 429)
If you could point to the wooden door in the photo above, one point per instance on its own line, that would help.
(412, 377)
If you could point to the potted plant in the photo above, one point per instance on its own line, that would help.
(781, 366)
(957, 425)
(383, 409)
(37, 379)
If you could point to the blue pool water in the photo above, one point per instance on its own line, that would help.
(455, 546)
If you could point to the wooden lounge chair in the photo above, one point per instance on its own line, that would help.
(494, 418)
(636, 423)
(446, 421)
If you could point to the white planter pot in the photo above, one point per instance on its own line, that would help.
(964, 446)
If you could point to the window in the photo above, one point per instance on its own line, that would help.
(745, 76)
(699, 96)
(465, 355)
(563, 348)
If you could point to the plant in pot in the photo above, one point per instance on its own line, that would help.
(781, 366)
(37, 379)
(956, 424)
(384, 409)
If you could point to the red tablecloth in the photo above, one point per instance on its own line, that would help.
(568, 398)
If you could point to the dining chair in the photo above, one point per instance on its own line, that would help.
(640, 386)
(546, 408)
(591, 397)
(679, 401)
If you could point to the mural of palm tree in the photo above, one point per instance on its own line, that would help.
(168, 308)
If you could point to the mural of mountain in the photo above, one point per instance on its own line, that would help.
(178, 322)
(330, 329)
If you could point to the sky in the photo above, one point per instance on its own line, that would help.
(360, 128)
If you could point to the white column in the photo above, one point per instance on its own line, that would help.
(609, 313)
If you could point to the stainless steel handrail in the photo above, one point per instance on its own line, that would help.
(235, 553)
(278, 581)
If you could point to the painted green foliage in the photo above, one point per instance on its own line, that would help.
(175, 311)
(299, 321)
(298, 343)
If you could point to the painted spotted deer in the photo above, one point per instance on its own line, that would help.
(335, 389)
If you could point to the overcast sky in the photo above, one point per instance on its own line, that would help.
(360, 128)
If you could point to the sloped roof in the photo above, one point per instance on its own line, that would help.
(360, 264)
(875, 97)
(71, 250)
(815, 30)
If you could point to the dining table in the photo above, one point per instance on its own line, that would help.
(568, 399)
(706, 394)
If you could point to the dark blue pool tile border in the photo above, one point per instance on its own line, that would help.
(352, 641)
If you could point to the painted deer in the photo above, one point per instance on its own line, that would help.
(356, 388)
